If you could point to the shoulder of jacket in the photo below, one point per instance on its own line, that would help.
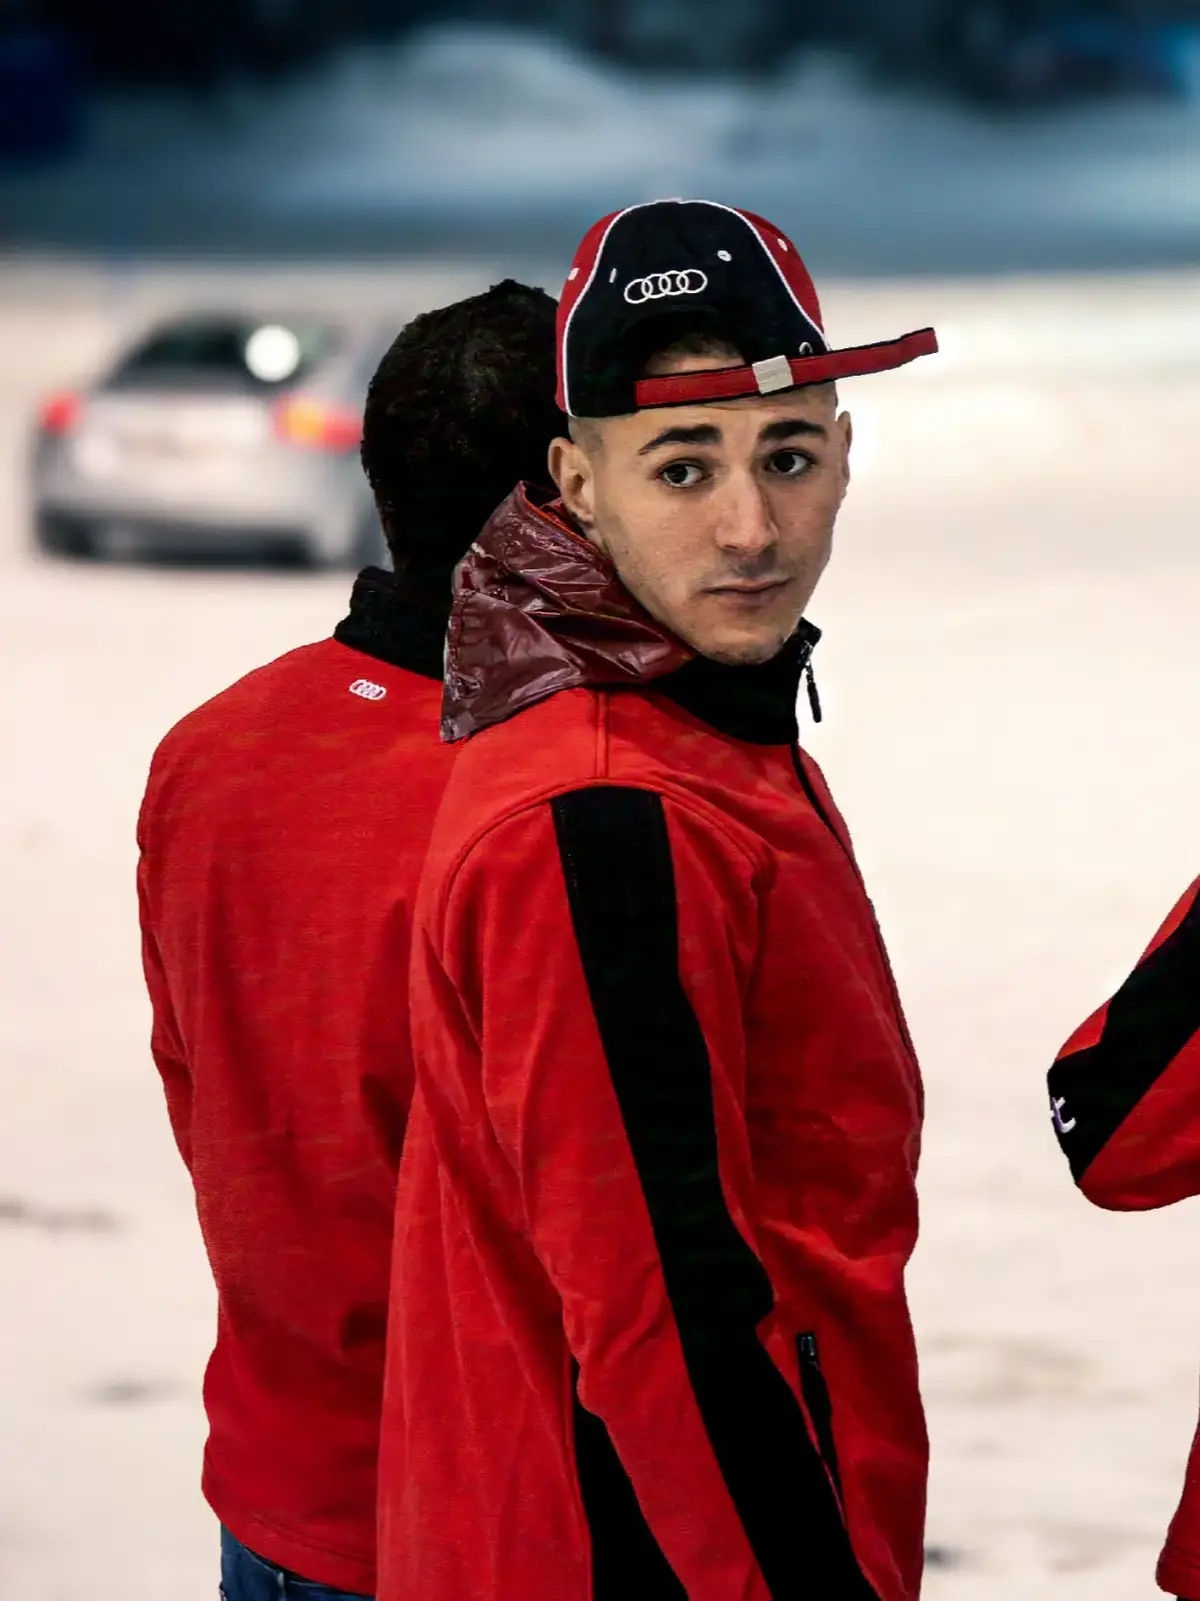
(471, 848)
(298, 665)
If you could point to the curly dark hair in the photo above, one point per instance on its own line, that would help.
(460, 409)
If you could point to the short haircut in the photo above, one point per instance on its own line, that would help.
(661, 342)
(680, 333)
(461, 408)
(671, 339)
(699, 343)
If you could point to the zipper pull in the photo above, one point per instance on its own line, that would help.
(814, 700)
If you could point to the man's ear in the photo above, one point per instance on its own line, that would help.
(846, 423)
(571, 469)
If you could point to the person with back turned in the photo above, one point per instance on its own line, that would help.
(649, 1334)
(281, 839)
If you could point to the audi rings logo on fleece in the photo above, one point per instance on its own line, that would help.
(663, 285)
(368, 690)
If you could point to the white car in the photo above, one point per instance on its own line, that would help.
(213, 435)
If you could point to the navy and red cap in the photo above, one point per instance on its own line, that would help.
(690, 265)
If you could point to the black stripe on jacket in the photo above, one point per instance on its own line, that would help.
(1149, 1021)
(627, 1564)
(616, 858)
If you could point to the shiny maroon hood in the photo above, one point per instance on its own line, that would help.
(538, 609)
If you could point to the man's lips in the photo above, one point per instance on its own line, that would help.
(748, 590)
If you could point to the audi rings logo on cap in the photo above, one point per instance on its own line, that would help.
(663, 285)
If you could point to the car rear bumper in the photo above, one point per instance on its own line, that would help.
(105, 532)
(320, 501)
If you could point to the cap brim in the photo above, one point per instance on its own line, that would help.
(783, 373)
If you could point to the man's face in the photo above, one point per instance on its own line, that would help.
(719, 517)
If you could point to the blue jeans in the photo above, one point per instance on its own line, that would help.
(246, 1577)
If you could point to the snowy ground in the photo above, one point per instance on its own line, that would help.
(478, 140)
(1012, 684)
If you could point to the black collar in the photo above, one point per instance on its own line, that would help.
(756, 704)
(397, 622)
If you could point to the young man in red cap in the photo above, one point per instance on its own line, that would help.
(649, 1334)
(282, 836)
(1125, 1100)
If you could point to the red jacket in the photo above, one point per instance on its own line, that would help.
(1125, 1098)
(281, 837)
(649, 1335)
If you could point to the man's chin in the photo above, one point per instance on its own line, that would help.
(739, 637)
(742, 651)
(722, 635)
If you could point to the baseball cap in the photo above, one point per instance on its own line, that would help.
(696, 264)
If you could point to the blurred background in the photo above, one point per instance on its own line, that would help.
(212, 220)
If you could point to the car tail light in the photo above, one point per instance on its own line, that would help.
(61, 412)
(316, 424)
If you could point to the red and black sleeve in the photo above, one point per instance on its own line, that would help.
(613, 1028)
(1125, 1090)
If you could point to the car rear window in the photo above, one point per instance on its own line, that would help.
(260, 354)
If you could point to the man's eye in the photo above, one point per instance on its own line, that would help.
(789, 463)
(682, 474)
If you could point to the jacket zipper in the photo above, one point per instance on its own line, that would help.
(820, 1410)
(817, 805)
(810, 683)
(820, 1407)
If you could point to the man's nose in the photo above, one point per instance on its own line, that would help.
(747, 527)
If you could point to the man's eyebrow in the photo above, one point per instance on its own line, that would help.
(702, 434)
(709, 434)
(790, 428)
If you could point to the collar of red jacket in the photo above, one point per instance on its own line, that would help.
(538, 609)
(397, 621)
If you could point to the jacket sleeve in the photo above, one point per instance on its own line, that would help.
(605, 943)
(165, 1044)
(1125, 1090)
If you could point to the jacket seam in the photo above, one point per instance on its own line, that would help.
(709, 817)
(602, 742)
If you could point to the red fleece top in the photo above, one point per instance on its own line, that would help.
(648, 1330)
(281, 836)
